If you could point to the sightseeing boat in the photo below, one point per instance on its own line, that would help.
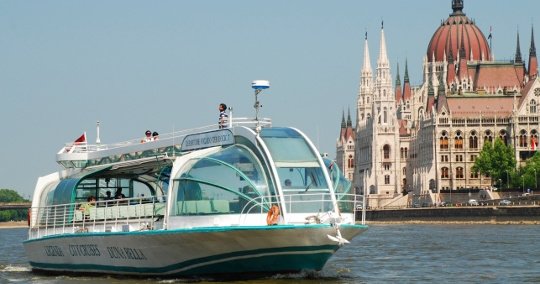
(247, 198)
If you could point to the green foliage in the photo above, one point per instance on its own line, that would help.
(530, 172)
(7, 196)
(495, 160)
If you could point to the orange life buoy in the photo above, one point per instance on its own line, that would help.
(272, 217)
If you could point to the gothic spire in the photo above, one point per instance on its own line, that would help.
(532, 49)
(406, 76)
(462, 47)
(349, 122)
(366, 67)
(518, 51)
(343, 119)
(398, 80)
(440, 89)
(383, 56)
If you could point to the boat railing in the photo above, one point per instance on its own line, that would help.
(173, 138)
(307, 203)
(127, 214)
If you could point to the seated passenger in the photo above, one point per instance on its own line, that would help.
(89, 204)
(155, 136)
(288, 183)
(108, 195)
(272, 218)
(118, 194)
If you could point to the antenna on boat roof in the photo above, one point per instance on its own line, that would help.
(98, 141)
(259, 86)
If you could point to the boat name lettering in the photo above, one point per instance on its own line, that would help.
(206, 140)
(53, 251)
(126, 253)
(84, 250)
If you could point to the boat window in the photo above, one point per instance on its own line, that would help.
(302, 178)
(230, 181)
(286, 146)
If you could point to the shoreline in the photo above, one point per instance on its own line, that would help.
(13, 225)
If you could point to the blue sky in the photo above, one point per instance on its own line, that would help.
(164, 65)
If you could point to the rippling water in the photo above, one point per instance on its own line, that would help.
(385, 253)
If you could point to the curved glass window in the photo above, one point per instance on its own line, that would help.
(298, 169)
(230, 181)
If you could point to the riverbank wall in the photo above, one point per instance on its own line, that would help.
(477, 214)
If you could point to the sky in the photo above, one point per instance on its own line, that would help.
(166, 65)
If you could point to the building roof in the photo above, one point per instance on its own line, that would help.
(456, 31)
(474, 106)
(491, 76)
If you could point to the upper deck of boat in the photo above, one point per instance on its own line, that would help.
(81, 155)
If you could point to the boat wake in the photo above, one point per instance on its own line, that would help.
(14, 268)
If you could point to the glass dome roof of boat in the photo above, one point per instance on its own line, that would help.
(288, 147)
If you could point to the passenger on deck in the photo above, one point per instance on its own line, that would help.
(272, 218)
(147, 137)
(89, 204)
(288, 183)
(118, 194)
(223, 116)
(108, 195)
(155, 136)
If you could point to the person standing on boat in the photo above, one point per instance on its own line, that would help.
(223, 116)
(118, 194)
(147, 136)
(87, 206)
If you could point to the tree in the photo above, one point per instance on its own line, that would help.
(495, 160)
(8, 195)
(530, 172)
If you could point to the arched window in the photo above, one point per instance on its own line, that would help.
(532, 106)
(534, 139)
(503, 136)
(406, 152)
(350, 162)
(459, 172)
(385, 115)
(473, 140)
(443, 141)
(386, 151)
(379, 114)
(458, 140)
(523, 138)
(444, 172)
(404, 171)
(488, 136)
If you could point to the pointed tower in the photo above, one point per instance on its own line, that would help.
(385, 129)
(451, 71)
(398, 87)
(533, 61)
(384, 96)
(365, 94)
(345, 146)
(407, 93)
(518, 59)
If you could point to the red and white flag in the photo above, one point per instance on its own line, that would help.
(533, 143)
(81, 139)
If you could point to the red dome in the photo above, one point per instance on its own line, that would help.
(449, 36)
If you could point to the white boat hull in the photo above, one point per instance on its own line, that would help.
(190, 252)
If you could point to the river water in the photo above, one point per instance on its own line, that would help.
(384, 254)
